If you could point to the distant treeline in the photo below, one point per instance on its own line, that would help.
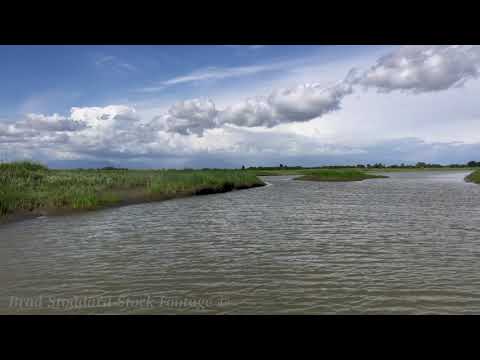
(421, 165)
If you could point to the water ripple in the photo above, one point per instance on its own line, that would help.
(407, 244)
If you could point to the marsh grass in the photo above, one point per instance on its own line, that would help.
(347, 174)
(428, 169)
(337, 175)
(474, 177)
(26, 186)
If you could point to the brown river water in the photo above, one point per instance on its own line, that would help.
(409, 244)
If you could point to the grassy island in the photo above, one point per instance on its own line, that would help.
(31, 189)
(345, 174)
(474, 177)
(338, 175)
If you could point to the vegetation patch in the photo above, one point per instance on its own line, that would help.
(474, 177)
(318, 174)
(27, 187)
(338, 175)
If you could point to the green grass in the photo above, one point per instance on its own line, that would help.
(474, 177)
(337, 175)
(347, 174)
(30, 187)
(418, 169)
(278, 172)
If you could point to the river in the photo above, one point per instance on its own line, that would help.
(409, 244)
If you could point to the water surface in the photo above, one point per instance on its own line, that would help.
(409, 244)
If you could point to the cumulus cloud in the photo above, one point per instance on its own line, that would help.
(118, 134)
(423, 68)
(112, 116)
(198, 126)
(54, 122)
(4, 129)
(298, 104)
(302, 103)
(110, 129)
(409, 68)
(114, 128)
(190, 117)
(249, 113)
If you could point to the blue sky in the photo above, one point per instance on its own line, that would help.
(55, 78)
(226, 105)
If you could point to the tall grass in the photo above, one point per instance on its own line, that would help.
(347, 174)
(337, 175)
(474, 177)
(29, 186)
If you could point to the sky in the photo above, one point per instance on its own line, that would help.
(233, 105)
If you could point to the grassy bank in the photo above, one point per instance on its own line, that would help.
(338, 175)
(31, 188)
(418, 169)
(262, 172)
(474, 177)
(347, 174)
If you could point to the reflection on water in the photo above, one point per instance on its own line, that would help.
(407, 244)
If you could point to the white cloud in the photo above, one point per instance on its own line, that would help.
(54, 122)
(249, 113)
(190, 117)
(302, 103)
(423, 68)
(210, 73)
(298, 104)
(114, 63)
(294, 122)
(219, 73)
(112, 116)
(214, 73)
(117, 134)
(5, 129)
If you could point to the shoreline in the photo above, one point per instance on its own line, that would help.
(129, 197)
(418, 169)
(473, 177)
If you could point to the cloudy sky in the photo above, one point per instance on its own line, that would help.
(229, 105)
